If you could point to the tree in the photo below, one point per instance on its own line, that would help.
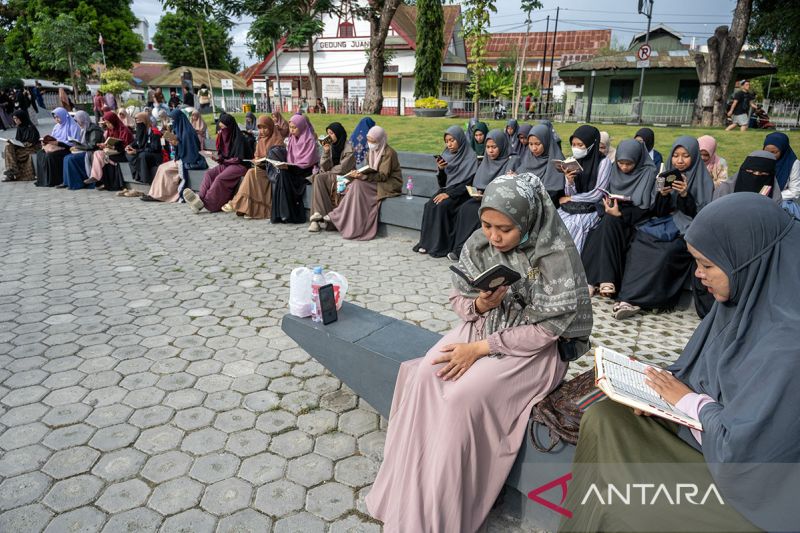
(476, 34)
(71, 39)
(379, 13)
(773, 28)
(116, 81)
(176, 40)
(430, 40)
(114, 20)
(715, 70)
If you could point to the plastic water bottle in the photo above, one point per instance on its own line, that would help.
(317, 281)
(409, 188)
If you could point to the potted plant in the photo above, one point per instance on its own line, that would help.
(430, 107)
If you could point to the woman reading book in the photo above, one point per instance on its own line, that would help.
(254, 197)
(497, 161)
(105, 162)
(337, 160)
(738, 375)
(219, 182)
(171, 176)
(660, 241)
(302, 155)
(632, 200)
(460, 413)
(541, 150)
(78, 164)
(356, 217)
(55, 147)
(145, 152)
(18, 158)
(457, 166)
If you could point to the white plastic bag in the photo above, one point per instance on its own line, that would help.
(337, 280)
(300, 292)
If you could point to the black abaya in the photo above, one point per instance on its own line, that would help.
(287, 195)
(606, 246)
(144, 165)
(50, 170)
(467, 221)
(437, 232)
(112, 179)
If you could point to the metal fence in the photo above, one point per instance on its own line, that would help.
(658, 113)
(783, 114)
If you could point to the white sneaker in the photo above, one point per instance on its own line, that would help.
(313, 227)
(193, 200)
(316, 217)
(326, 218)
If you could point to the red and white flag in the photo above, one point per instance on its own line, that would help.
(101, 40)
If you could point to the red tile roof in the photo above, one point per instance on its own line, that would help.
(148, 72)
(568, 43)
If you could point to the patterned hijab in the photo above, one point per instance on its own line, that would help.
(461, 166)
(551, 178)
(553, 285)
(358, 140)
(490, 168)
(479, 148)
(701, 186)
(271, 138)
(640, 184)
(302, 149)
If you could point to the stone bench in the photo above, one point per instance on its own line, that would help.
(364, 349)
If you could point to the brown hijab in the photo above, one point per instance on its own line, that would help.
(198, 123)
(272, 136)
(281, 124)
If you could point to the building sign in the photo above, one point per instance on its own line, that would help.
(352, 43)
(333, 88)
(227, 84)
(260, 86)
(357, 88)
(285, 89)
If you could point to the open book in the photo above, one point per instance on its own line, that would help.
(622, 378)
(366, 169)
(490, 279)
(611, 196)
(567, 165)
(265, 160)
(475, 193)
(51, 139)
(13, 141)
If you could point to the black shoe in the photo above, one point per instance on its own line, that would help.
(147, 198)
(62, 186)
(452, 256)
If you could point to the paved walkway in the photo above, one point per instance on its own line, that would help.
(145, 383)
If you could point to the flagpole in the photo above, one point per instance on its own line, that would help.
(103, 51)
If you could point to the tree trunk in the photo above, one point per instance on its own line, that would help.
(313, 79)
(716, 70)
(379, 22)
(72, 77)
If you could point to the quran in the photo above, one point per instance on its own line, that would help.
(366, 169)
(622, 378)
(475, 193)
(567, 165)
(13, 141)
(490, 279)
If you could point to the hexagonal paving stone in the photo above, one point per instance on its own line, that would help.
(114, 437)
(139, 380)
(193, 418)
(247, 443)
(291, 444)
(139, 520)
(262, 468)
(194, 521)
(123, 496)
(20, 436)
(177, 381)
(335, 445)
(69, 436)
(23, 489)
(166, 466)
(223, 400)
(276, 421)
(29, 518)
(226, 497)
(247, 521)
(24, 414)
(83, 520)
(119, 464)
(175, 496)
(109, 415)
(70, 462)
(73, 492)
(305, 522)
(299, 402)
(358, 422)
(330, 501)
(159, 439)
(151, 416)
(356, 471)
(235, 420)
(353, 524)
(214, 467)
(144, 397)
(66, 415)
(280, 498)
(317, 422)
(249, 384)
(339, 401)
(205, 441)
(23, 460)
(184, 399)
(310, 469)
(261, 401)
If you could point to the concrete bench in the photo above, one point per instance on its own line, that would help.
(364, 349)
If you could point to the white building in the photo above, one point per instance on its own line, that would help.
(340, 55)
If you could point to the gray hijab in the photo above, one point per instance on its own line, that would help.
(728, 186)
(701, 186)
(490, 168)
(552, 179)
(553, 285)
(640, 184)
(745, 356)
(556, 136)
(462, 165)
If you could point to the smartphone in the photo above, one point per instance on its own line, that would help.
(327, 301)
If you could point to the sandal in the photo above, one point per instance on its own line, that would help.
(623, 310)
(123, 192)
(228, 208)
(194, 201)
(316, 217)
(607, 290)
(592, 291)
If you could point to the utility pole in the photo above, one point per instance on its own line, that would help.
(552, 59)
(649, 15)
(522, 68)
(278, 75)
(544, 61)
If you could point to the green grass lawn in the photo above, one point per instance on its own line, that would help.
(424, 135)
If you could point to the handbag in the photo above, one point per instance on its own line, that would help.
(561, 410)
(662, 229)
